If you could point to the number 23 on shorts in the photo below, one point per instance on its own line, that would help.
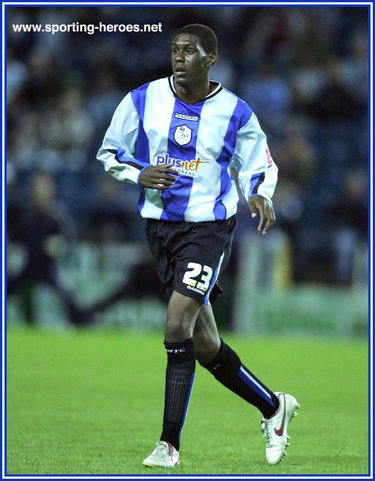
(195, 270)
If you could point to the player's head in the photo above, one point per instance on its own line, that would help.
(207, 37)
(194, 51)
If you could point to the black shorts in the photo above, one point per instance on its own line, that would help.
(190, 255)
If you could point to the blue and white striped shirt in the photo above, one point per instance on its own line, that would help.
(204, 141)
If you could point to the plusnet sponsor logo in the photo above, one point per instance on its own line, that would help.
(184, 167)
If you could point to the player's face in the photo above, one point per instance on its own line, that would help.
(189, 60)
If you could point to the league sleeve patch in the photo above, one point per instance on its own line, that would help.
(269, 158)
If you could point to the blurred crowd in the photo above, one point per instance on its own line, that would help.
(303, 70)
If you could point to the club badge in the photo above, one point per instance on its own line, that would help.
(182, 134)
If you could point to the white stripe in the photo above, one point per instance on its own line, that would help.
(157, 128)
(250, 158)
(255, 382)
(117, 137)
(230, 201)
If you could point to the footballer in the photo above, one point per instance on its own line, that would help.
(179, 138)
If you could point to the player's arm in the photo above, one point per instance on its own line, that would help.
(116, 152)
(257, 172)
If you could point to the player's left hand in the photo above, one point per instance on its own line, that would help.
(266, 212)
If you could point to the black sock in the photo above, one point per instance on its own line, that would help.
(229, 370)
(178, 384)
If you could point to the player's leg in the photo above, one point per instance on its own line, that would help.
(188, 257)
(181, 316)
(206, 337)
(216, 356)
(278, 408)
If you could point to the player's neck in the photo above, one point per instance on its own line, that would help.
(192, 94)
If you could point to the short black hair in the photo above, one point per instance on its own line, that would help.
(206, 35)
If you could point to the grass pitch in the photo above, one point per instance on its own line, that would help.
(90, 402)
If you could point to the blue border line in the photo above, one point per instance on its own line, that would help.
(5, 253)
(214, 476)
(369, 240)
(370, 247)
(177, 3)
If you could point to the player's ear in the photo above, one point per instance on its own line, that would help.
(212, 57)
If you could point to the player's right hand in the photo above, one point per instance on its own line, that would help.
(158, 177)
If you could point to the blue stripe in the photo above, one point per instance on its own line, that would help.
(253, 182)
(122, 158)
(214, 278)
(187, 404)
(239, 118)
(176, 198)
(248, 380)
(143, 147)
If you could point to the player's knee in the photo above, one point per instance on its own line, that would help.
(206, 348)
(177, 330)
(181, 315)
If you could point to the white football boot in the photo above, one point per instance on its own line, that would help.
(164, 456)
(274, 429)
